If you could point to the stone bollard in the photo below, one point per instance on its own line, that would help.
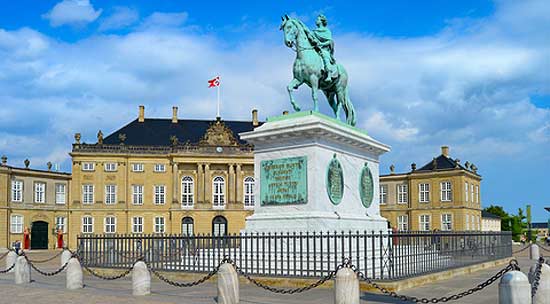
(141, 279)
(10, 260)
(22, 271)
(65, 256)
(543, 291)
(74, 274)
(228, 284)
(346, 287)
(534, 252)
(514, 288)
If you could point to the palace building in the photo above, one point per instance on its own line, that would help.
(173, 176)
(35, 201)
(442, 195)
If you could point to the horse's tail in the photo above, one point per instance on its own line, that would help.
(349, 109)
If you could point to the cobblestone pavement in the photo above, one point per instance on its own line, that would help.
(48, 290)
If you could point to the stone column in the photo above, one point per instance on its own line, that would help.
(22, 271)
(534, 252)
(239, 185)
(74, 274)
(141, 279)
(543, 291)
(10, 260)
(346, 287)
(231, 190)
(207, 185)
(514, 288)
(228, 285)
(200, 184)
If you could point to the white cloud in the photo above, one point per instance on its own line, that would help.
(163, 20)
(122, 17)
(72, 12)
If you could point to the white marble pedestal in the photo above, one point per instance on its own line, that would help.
(318, 139)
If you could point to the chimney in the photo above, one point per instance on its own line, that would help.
(255, 122)
(174, 114)
(445, 151)
(4, 160)
(141, 117)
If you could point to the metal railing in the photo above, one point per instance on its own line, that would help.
(381, 256)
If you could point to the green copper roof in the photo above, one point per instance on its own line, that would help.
(314, 113)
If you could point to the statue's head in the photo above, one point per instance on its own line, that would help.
(321, 20)
(290, 30)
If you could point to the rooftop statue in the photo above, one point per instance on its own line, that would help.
(315, 66)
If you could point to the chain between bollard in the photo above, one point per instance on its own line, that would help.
(513, 265)
(536, 280)
(4, 255)
(545, 249)
(522, 249)
(8, 269)
(185, 284)
(44, 273)
(45, 260)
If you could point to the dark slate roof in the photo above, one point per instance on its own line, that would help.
(542, 225)
(489, 215)
(157, 131)
(443, 163)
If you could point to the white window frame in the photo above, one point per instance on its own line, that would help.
(383, 194)
(40, 192)
(160, 168)
(467, 219)
(60, 193)
(422, 222)
(61, 222)
(88, 166)
(446, 221)
(137, 195)
(403, 194)
(16, 223)
(137, 224)
(87, 195)
(160, 224)
(466, 191)
(187, 191)
(109, 224)
(477, 194)
(472, 192)
(159, 194)
(248, 191)
(110, 194)
(17, 191)
(446, 191)
(403, 222)
(138, 167)
(110, 167)
(189, 227)
(87, 224)
(218, 192)
(424, 193)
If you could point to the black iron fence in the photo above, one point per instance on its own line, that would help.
(381, 256)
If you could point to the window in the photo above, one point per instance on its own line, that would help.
(249, 191)
(87, 224)
(60, 224)
(16, 224)
(446, 222)
(424, 221)
(219, 226)
(446, 192)
(110, 194)
(137, 167)
(187, 224)
(39, 192)
(424, 193)
(383, 194)
(466, 191)
(137, 224)
(402, 194)
(110, 224)
(17, 191)
(477, 194)
(467, 222)
(160, 195)
(472, 192)
(88, 166)
(403, 222)
(110, 167)
(187, 188)
(160, 168)
(159, 224)
(60, 193)
(137, 194)
(88, 194)
(218, 192)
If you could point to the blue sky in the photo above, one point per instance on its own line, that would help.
(473, 75)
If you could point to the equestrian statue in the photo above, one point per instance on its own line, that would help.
(315, 66)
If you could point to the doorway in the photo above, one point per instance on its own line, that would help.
(39, 235)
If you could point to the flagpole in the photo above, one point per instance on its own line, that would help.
(218, 90)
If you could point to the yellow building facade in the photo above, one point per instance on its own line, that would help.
(442, 195)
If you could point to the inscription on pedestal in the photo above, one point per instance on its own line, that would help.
(283, 181)
(366, 186)
(335, 181)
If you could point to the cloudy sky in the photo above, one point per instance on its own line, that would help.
(474, 75)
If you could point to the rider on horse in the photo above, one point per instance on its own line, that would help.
(324, 44)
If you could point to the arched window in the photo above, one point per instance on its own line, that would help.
(218, 192)
(187, 224)
(187, 188)
(248, 191)
(219, 226)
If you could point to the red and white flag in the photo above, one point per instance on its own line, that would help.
(214, 82)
